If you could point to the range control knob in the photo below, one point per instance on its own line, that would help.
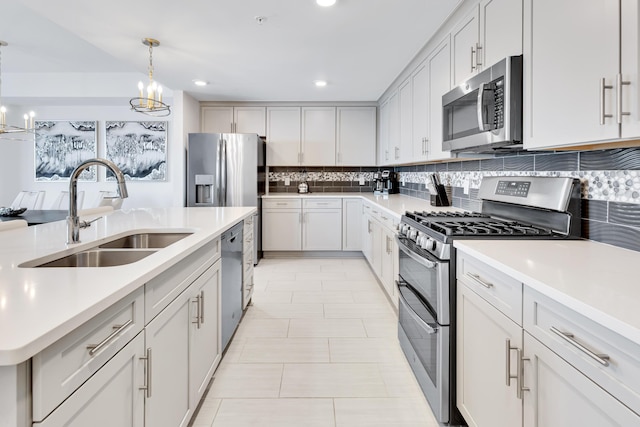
(428, 244)
(412, 234)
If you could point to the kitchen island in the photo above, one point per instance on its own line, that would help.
(41, 306)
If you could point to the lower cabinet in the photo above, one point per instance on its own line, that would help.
(389, 264)
(322, 229)
(281, 224)
(351, 224)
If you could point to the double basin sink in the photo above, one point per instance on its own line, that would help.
(121, 251)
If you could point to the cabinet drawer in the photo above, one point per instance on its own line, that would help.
(552, 323)
(388, 220)
(282, 203)
(499, 289)
(64, 366)
(164, 288)
(309, 203)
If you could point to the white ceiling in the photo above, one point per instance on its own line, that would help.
(358, 46)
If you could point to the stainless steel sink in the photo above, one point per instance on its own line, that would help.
(98, 258)
(145, 240)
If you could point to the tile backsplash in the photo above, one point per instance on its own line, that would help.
(610, 184)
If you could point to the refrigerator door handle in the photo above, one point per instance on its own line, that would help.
(223, 172)
(216, 190)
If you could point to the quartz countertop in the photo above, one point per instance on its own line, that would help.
(595, 279)
(394, 204)
(38, 306)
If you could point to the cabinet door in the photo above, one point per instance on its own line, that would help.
(562, 82)
(281, 229)
(439, 63)
(383, 137)
(111, 397)
(283, 136)
(388, 268)
(465, 39)
(216, 119)
(318, 136)
(367, 238)
(376, 247)
(356, 139)
(483, 334)
(167, 341)
(420, 110)
(322, 230)
(559, 395)
(630, 68)
(500, 30)
(405, 101)
(352, 224)
(250, 120)
(204, 336)
(394, 129)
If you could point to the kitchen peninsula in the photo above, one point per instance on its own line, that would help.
(53, 318)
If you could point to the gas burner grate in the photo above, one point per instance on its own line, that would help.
(489, 228)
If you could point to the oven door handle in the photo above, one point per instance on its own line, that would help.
(420, 260)
(412, 314)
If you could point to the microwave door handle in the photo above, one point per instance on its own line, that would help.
(479, 106)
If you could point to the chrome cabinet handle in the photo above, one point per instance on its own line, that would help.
(369, 226)
(281, 203)
(479, 280)
(602, 359)
(94, 348)
(507, 350)
(478, 49)
(603, 87)
(147, 371)
(473, 52)
(196, 301)
(397, 152)
(619, 84)
(520, 376)
(202, 306)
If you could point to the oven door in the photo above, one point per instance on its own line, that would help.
(428, 275)
(426, 347)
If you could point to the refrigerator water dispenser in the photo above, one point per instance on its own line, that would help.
(204, 189)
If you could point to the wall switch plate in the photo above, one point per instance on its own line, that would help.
(287, 180)
(361, 180)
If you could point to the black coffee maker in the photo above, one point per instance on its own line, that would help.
(385, 182)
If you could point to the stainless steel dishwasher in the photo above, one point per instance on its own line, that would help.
(231, 300)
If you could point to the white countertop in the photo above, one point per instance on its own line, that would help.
(40, 305)
(394, 204)
(595, 279)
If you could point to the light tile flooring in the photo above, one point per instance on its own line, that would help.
(318, 347)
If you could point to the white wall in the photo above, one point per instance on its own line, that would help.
(17, 158)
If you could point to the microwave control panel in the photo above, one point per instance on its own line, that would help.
(513, 188)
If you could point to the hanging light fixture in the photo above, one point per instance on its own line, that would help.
(8, 131)
(151, 104)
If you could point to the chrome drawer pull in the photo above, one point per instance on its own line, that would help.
(508, 375)
(201, 306)
(602, 359)
(478, 279)
(147, 371)
(94, 348)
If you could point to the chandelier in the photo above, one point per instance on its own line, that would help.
(8, 131)
(151, 104)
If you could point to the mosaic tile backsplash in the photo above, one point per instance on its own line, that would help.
(610, 184)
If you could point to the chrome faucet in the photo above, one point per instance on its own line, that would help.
(73, 221)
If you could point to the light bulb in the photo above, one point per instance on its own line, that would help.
(320, 83)
(3, 109)
(32, 114)
(326, 3)
(140, 85)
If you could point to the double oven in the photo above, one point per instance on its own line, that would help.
(512, 207)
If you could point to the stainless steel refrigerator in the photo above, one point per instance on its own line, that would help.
(227, 169)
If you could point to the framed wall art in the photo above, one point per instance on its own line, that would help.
(61, 145)
(139, 149)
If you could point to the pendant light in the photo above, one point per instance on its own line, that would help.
(8, 132)
(151, 104)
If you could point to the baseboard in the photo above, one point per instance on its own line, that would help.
(312, 254)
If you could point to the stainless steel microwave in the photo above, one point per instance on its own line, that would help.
(484, 113)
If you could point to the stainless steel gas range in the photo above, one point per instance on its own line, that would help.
(512, 208)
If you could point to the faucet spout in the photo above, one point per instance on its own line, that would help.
(73, 221)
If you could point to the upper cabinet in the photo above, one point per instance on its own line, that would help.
(318, 136)
(580, 72)
(489, 33)
(222, 119)
(383, 137)
(356, 136)
(404, 151)
(283, 136)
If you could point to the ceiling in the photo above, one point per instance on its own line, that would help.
(358, 46)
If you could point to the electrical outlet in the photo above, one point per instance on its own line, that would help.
(361, 180)
(287, 180)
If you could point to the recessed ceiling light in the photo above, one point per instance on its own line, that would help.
(326, 3)
(200, 82)
(320, 83)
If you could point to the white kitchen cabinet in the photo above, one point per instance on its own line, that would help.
(283, 136)
(376, 247)
(559, 395)
(439, 75)
(630, 68)
(420, 111)
(483, 334)
(384, 137)
(389, 264)
(352, 224)
(367, 237)
(394, 129)
(281, 224)
(321, 224)
(404, 151)
(111, 397)
(356, 136)
(204, 336)
(167, 365)
(318, 136)
(566, 101)
(239, 119)
(465, 38)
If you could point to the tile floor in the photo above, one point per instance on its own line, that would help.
(318, 347)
